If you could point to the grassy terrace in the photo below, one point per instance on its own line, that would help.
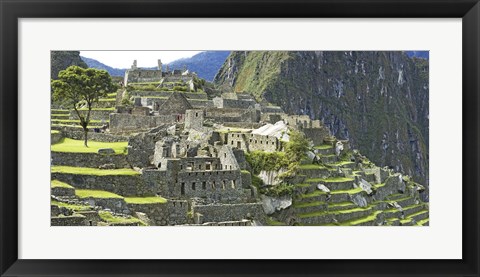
(93, 171)
(110, 218)
(329, 180)
(319, 192)
(58, 184)
(145, 200)
(357, 221)
(86, 193)
(74, 126)
(75, 207)
(54, 132)
(107, 99)
(341, 163)
(271, 222)
(98, 109)
(61, 114)
(308, 204)
(74, 121)
(113, 94)
(311, 166)
(76, 146)
(320, 213)
(423, 221)
(60, 110)
(323, 147)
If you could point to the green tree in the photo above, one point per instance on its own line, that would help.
(80, 88)
(297, 147)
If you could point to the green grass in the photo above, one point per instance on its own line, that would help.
(340, 204)
(271, 222)
(113, 94)
(341, 163)
(74, 126)
(320, 213)
(357, 221)
(308, 204)
(145, 200)
(76, 146)
(323, 147)
(61, 114)
(108, 217)
(417, 213)
(311, 166)
(319, 192)
(60, 110)
(75, 207)
(98, 109)
(86, 193)
(54, 132)
(329, 180)
(107, 100)
(58, 184)
(423, 221)
(93, 171)
(56, 120)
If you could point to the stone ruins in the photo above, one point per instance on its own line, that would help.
(170, 154)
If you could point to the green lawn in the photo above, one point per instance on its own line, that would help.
(108, 217)
(319, 192)
(113, 94)
(61, 114)
(107, 100)
(98, 109)
(86, 193)
(74, 207)
(93, 171)
(60, 110)
(323, 147)
(74, 121)
(58, 184)
(329, 180)
(145, 200)
(76, 146)
(54, 132)
(311, 166)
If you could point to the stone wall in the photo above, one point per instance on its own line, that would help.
(232, 115)
(94, 114)
(194, 119)
(244, 125)
(177, 212)
(117, 205)
(88, 159)
(229, 212)
(157, 213)
(138, 75)
(220, 102)
(124, 185)
(103, 137)
(129, 122)
(61, 191)
(56, 137)
(316, 135)
(227, 158)
(253, 142)
(71, 220)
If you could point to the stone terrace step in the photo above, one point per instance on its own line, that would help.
(332, 217)
(369, 220)
(333, 184)
(60, 111)
(328, 159)
(324, 150)
(60, 116)
(419, 215)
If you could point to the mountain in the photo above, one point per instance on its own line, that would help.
(418, 54)
(60, 60)
(205, 64)
(98, 65)
(377, 100)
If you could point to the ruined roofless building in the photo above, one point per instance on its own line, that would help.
(139, 75)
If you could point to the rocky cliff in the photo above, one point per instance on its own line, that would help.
(60, 60)
(377, 100)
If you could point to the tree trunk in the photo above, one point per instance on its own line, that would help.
(85, 132)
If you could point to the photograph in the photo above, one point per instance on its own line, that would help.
(239, 138)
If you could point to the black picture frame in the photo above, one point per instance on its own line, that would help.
(11, 11)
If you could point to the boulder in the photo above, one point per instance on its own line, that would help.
(359, 200)
(107, 166)
(365, 186)
(106, 151)
(273, 204)
(323, 188)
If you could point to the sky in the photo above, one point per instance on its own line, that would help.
(124, 59)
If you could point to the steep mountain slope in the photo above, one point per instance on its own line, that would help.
(205, 64)
(92, 63)
(377, 100)
(63, 59)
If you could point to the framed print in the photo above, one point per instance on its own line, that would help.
(220, 138)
